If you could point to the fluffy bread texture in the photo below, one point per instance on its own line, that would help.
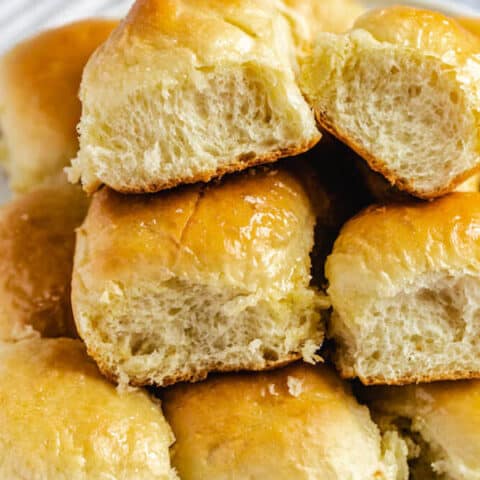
(404, 284)
(402, 89)
(300, 422)
(202, 88)
(441, 423)
(39, 105)
(62, 420)
(172, 286)
(37, 238)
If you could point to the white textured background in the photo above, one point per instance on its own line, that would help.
(22, 18)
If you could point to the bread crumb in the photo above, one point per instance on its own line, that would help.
(112, 289)
(124, 388)
(254, 345)
(295, 386)
(271, 390)
(105, 297)
(309, 353)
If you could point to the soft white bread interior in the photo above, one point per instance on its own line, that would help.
(216, 277)
(405, 288)
(39, 105)
(401, 88)
(37, 238)
(62, 420)
(441, 423)
(202, 87)
(300, 422)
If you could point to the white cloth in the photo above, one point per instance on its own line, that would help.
(22, 18)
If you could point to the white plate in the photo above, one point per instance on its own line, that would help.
(466, 7)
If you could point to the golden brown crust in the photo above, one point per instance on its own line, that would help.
(379, 165)
(413, 378)
(62, 420)
(41, 135)
(419, 28)
(430, 238)
(472, 24)
(183, 226)
(300, 422)
(241, 163)
(196, 376)
(37, 236)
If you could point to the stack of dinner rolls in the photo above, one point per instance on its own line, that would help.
(276, 197)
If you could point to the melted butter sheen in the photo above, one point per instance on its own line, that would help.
(413, 28)
(248, 228)
(292, 423)
(61, 419)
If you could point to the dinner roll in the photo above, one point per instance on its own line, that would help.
(62, 420)
(39, 106)
(441, 422)
(169, 287)
(300, 422)
(202, 87)
(401, 90)
(404, 284)
(37, 237)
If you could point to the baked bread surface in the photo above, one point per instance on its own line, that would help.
(39, 105)
(37, 241)
(216, 277)
(299, 422)
(403, 281)
(62, 420)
